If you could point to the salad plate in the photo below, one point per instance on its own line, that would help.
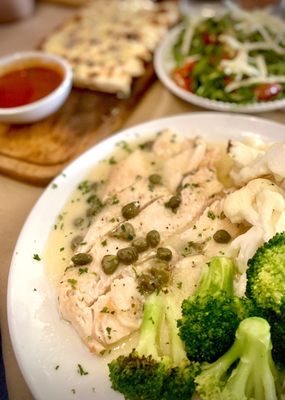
(54, 361)
(232, 70)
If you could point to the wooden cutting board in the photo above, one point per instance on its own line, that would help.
(36, 153)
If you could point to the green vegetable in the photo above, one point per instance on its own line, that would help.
(153, 238)
(75, 242)
(78, 222)
(155, 179)
(131, 210)
(147, 372)
(110, 263)
(155, 278)
(96, 205)
(207, 77)
(266, 274)
(266, 287)
(222, 236)
(211, 316)
(140, 244)
(174, 202)
(277, 323)
(163, 253)
(127, 255)
(82, 259)
(246, 371)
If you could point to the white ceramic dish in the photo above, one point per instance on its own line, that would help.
(41, 340)
(164, 63)
(48, 104)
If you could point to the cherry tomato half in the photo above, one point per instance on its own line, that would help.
(181, 75)
(267, 91)
(209, 38)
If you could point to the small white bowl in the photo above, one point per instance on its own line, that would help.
(45, 106)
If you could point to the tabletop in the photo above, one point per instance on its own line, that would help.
(17, 199)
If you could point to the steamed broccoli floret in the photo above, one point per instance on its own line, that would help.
(148, 374)
(209, 317)
(266, 275)
(246, 371)
(277, 324)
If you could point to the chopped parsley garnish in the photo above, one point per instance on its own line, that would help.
(81, 371)
(211, 215)
(179, 285)
(82, 270)
(112, 161)
(54, 186)
(72, 282)
(36, 257)
(115, 200)
(87, 186)
(124, 146)
(192, 248)
(109, 330)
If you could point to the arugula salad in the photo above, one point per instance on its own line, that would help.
(237, 57)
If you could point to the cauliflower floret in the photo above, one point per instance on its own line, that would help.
(260, 204)
(270, 162)
(243, 153)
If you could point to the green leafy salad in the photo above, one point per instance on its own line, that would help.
(238, 57)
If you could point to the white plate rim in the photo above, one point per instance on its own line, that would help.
(163, 51)
(235, 125)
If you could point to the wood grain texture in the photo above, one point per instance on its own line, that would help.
(37, 152)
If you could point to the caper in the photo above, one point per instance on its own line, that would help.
(155, 179)
(173, 202)
(130, 210)
(163, 253)
(127, 255)
(153, 238)
(75, 242)
(78, 221)
(124, 231)
(82, 259)
(140, 244)
(222, 236)
(109, 264)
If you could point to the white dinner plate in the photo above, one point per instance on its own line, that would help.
(41, 340)
(164, 64)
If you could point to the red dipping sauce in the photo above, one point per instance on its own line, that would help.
(25, 85)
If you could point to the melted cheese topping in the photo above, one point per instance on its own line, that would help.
(109, 44)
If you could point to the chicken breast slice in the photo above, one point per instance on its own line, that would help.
(85, 292)
(199, 238)
(199, 191)
(125, 173)
(114, 315)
